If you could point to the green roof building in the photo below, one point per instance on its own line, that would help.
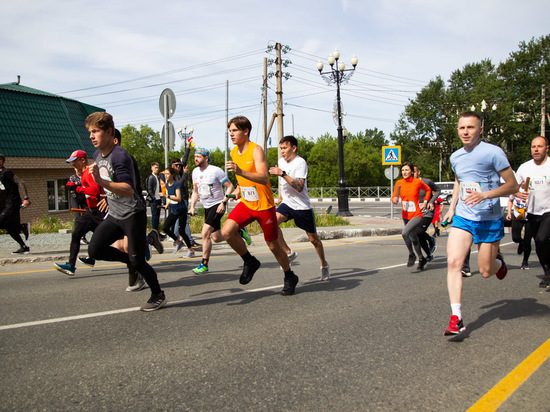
(38, 132)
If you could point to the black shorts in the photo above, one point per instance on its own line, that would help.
(304, 219)
(213, 218)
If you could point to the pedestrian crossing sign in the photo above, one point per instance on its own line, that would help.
(391, 155)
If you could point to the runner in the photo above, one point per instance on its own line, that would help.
(208, 183)
(517, 216)
(91, 218)
(114, 171)
(257, 203)
(294, 200)
(408, 191)
(475, 210)
(537, 196)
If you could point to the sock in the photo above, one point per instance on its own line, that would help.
(456, 309)
(247, 257)
(205, 262)
(289, 273)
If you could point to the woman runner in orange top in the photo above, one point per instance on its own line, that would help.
(407, 189)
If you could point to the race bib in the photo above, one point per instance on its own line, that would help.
(466, 187)
(250, 194)
(537, 183)
(204, 190)
(408, 206)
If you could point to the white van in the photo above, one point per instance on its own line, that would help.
(446, 191)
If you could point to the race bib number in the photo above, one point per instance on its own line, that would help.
(204, 190)
(467, 187)
(538, 183)
(250, 194)
(408, 206)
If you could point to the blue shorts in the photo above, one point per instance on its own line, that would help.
(486, 231)
(304, 219)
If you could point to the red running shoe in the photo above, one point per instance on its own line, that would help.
(501, 274)
(455, 326)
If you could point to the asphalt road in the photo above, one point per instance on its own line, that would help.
(370, 339)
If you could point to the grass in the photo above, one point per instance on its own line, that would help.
(50, 224)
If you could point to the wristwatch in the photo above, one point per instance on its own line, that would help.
(283, 174)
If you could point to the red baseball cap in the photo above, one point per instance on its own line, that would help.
(76, 154)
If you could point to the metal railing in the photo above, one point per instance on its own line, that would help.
(363, 192)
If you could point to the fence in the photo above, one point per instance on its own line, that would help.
(366, 192)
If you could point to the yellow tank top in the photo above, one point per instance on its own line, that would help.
(254, 195)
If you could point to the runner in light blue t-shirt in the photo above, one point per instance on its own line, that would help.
(475, 210)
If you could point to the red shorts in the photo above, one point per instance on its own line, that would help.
(267, 219)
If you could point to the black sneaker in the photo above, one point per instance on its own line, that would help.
(249, 268)
(23, 250)
(290, 285)
(154, 235)
(411, 261)
(524, 265)
(545, 282)
(421, 263)
(155, 302)
(88, 261)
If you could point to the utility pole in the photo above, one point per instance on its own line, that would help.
(543, 112)
(264, 102)
(279, 74)
(226, 121)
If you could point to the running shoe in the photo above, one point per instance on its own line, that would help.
(84, 241)
(292, 256)
(178, 247)
(466, 273)
(545, 282)
(429, 258)
(66, 268)
(155, 302)
(249, 268)
(190, 253)
(433, 247)
(325, 274)
(290, 284)
(88, 261)
(501, 273)
(244, 234)
(524, 265)
(156, 241)
(199, 270)
(421, 263)
(455, 326)
(410, 262)
(23, 250)
(26, 229)
(520, 247)
(140, 285)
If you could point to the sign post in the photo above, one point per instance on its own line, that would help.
(167, 106)
(391, 155)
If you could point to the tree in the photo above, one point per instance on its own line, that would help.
(145, 145)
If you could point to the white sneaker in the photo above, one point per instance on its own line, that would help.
(325, 275)
(292, 256)
(140, 285)
(178, 247)
(190, 253)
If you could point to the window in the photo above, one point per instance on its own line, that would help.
(57, 195)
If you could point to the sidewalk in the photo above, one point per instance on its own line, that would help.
(55, 246)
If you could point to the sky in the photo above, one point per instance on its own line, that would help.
(120, 56)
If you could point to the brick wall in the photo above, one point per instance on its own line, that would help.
(36, 172)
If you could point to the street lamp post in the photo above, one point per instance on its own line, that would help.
(184, 135)
(338, 75)
(483, 107)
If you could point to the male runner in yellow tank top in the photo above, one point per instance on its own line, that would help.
(257, 203)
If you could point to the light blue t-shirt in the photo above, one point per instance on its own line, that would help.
(477, 170)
